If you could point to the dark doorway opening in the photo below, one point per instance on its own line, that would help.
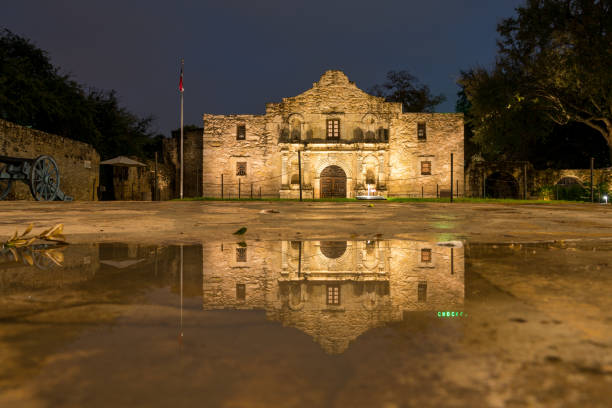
(107, 187)
(501, 185)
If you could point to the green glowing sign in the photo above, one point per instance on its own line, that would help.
(451, 314)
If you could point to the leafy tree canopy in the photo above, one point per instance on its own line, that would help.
(401, 86)
(34, 93)
(553, 67)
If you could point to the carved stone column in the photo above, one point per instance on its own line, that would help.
(382, 180)
(306, 169)
(360, 175)
(284, 171)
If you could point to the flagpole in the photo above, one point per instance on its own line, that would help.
(182, 64)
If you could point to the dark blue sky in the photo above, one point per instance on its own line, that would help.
(240, 54)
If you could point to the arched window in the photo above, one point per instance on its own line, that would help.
(295, 129)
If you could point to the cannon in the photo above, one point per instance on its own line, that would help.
(41, 174)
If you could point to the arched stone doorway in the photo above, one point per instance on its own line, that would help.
(501, 185)
(333, 182)
(570, 188)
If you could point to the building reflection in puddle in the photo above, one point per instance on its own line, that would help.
(334, 290)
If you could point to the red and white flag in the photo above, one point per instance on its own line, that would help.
(181, 89)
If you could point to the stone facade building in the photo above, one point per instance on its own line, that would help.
(348, 141)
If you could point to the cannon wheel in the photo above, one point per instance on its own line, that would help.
(44, 179)
(5, 185)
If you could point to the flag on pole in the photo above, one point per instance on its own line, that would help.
(181, 89)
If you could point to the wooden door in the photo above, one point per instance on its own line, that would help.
(333, 182)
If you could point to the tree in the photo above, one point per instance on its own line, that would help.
(503, 129)
(464, 106)
(401, 86)
(33, 93)
(499, 127)
(557, 55)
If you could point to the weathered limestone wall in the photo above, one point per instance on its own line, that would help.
(192, 169)
(78, 162)
(222, 151)
(444, 135)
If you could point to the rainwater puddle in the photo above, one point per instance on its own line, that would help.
(386, 323)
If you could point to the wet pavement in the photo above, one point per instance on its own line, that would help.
(318, 323)
(197, 221)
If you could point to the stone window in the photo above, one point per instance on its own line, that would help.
(426, 255)
(333, 128)
(240, 291)
(422, 291)
(240, 132)
(241, 169)
(333, 294)
(421, 131)
(241, 254)
(295, 130)
(426, 168)
(383, 135)
(295, 179)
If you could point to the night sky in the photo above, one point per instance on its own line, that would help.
(241, 54)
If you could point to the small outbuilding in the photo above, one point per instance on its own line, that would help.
(123, 178)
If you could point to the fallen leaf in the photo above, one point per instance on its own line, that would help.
(27, 230)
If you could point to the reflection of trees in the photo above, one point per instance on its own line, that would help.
(63, 301)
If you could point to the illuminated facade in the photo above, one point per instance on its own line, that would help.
(334, 290)
(349, 141)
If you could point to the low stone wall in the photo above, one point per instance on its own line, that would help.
(540, 184)
(78, 162)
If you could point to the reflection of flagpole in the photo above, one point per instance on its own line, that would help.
(181, 324)
(300, 260)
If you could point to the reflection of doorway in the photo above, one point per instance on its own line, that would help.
(333, 249)
(333, 182)
(501, 185)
